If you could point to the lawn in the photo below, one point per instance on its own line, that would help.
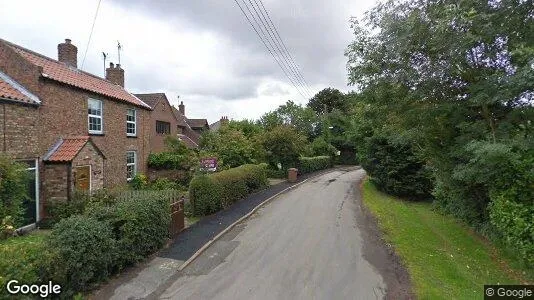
(445, 259)
(20, 257)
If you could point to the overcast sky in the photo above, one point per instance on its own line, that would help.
(202, 50)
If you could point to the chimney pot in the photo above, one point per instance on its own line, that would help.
(115, 74)
(181, 108)
(67, 53)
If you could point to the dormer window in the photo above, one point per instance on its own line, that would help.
(95, 116)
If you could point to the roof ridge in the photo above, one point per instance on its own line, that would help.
(55, 61)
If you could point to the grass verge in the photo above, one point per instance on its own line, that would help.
(444, 258)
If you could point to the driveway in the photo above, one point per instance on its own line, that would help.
(313, 242)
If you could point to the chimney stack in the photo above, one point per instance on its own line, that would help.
(115, 74)
(224, 120)
(67, 53)
(181, 108)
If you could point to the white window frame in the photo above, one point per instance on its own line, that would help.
(134, 122)
(101, 117)
(134, 164)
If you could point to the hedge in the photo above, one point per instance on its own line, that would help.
(211, 193)
(312, 164)
(112, 233)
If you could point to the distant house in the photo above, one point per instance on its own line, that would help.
(217, 125)
(74, 130)
(163, 121)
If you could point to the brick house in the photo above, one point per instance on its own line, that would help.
(74, 130)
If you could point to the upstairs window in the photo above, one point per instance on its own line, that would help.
(131, 165)
(94, 110)
(130, 122)
(163, 127)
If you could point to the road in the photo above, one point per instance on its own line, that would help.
(306, 244)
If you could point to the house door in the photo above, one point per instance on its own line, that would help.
(82, 178)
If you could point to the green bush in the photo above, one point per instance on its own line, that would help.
(13, 180)
(210, 193)
(515, 222)
(320, 147)
(395, 169)
(169, 161)
(139, 224)
(80, 252)
(312, 164)
(139, 182)
(161, 184)
(21, 258)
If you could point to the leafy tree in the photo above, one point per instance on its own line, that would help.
(249, 128)
(283, 144)
(300, 118)
(328, 100)
(230, 145)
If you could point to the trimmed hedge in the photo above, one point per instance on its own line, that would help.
(211, 193)
(112, 233)
(312, 164)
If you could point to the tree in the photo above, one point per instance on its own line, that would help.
(13, 180)
(230, 145)
(283, 144)
(328, 100)
(300, 118)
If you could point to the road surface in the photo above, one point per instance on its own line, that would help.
(306, 244)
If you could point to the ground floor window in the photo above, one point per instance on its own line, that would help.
(131, 165)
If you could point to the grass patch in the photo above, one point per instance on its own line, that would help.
(20, 258)
(445, 259)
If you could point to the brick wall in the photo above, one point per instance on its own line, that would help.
(64, 113)
(162, 112)
(56, 185)
(19, 130)
(90, 156)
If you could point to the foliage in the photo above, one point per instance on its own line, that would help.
(163, 184)
(169, 161)
(58, 210)
(139, 224)
(302, 119)
(211, 193)
(328, 100)
(312, 164)
(394, 168)
(455, 81)
(444, 258)
(79, 243)
(320, 147)
(249, 128)
(139, 182)
(21, 257)
(230, 146)
(515, 221)
(283, 144)
(13, 180)
(7, 228)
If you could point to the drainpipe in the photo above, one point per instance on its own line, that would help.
(4, 128)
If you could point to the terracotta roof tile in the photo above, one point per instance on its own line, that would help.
(11, 90)
(67, 149)
(61, 72)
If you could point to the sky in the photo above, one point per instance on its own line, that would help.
(201, 52)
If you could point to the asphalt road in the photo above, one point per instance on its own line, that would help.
(306, 244)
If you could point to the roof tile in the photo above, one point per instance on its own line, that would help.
(11, 90)
(68, 149)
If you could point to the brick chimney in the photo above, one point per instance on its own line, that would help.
(115, 74)
(224, 120)
(67, 53)
(181, 108)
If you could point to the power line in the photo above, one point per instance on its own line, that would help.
(284, 46)
(91, 33)
(284, 56)
(265, 43)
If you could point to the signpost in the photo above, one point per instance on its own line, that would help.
(208, 164)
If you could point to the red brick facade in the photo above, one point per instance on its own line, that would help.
(29, 132)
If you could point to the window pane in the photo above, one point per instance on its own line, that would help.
(130, 128)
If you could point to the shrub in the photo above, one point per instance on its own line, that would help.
(395, 169)
(320, 147)
(515, 222)
(210, 193)
(139, 224)
(312, 164)
(163, 184)
(21, 258)
(58, 210)
(81, 252)
(169, 160)
(283, 144)
(13, 180)
(139, 182)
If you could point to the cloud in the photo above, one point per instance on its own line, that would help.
(202, 50)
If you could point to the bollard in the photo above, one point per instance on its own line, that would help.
(292, 175)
